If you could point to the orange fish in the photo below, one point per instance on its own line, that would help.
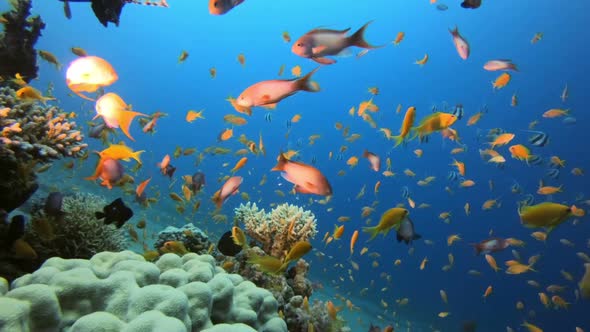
(422, 61)
(398, 39)
(115, 112)
(193, 115)
(88, 74)
(239, 164)
(140, 188)
(501, 81)
(226, 134)
(353, 239)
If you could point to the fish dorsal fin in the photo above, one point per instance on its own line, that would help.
(125, 118)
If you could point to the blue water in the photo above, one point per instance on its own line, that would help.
(144, 50)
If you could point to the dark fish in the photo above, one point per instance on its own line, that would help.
(406, 232)
(539, 138)
(96, 131)
(424, 139)
(442, 7)
(227, 246)
(552, 173)
(116, 212)
(570, 120)
(169, 171)
(535, 160)
(405, 192)
(374, 328)
(198, 182)
(339, 156)
(434, 109)
(314, 160)
(67, 10)
(288, 124)
(490, 245)
(453, 176)
(53, 204)
(473, 4)
(16, 230)
(268, 117)
(469, 326)
(458, 111)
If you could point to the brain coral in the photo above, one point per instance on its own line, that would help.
(122, 292)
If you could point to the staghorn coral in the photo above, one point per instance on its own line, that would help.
(17, 41)
(31, 134)
(271, 230)
(193, 238)
(78, 234)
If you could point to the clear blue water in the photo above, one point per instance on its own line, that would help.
(144, 51)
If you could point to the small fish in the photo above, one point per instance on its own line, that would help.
(116, 212)
(461, 44)
(79, 51)
(67, 10)
(220, 7)
(538, 138)
(183, 56)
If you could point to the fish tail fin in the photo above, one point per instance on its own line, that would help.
(513, 67)
(136, 155)
(83, 96)
(358, 38)
(280, 166)
(576, 211)
(476, 248)
(398, 140)
(366, 153)
(306, 84)
(125, 118)
(371, 230)
(217, 199)
(455, 31)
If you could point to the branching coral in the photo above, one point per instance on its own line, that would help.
(17, 53)
(31, 134)
(278, 230)
(78, 234)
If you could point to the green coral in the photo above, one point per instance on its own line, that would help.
(78, 234)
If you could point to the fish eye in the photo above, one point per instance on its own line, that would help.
(298, 44)
(215, 4)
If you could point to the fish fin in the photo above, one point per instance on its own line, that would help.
(270, 106)
(318, 49)
(136, 155)
(371, 230)
(358, 38)
(83, 96)
(416, 236)
(455, 31)
(265, 98)
(99, 215)
(306, 84)
(398, 140)
(280, 166)
(323, 61)
(124, 119)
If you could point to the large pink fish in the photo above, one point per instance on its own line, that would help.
(230, 187)
(461, 44)
(490, 245)
(220, 7)
(88, 74)
(319, 43)
(307, 179)
(269, 93)
(495, 65)
(109, 171)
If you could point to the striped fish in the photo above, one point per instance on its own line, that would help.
(405, 192)
(268, 117)
(552, 173)
(458, 111)
(535, 160)
(453, 176)
(538, 138)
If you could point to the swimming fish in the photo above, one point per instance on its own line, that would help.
(461, 44)
(307, 179)
(230, 187)
(116, 212)
(88, 74)
(269, 93)
(319, 43)
(406, 232)
(389, 219)
(116, 113)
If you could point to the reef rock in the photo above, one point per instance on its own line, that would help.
(123, 292)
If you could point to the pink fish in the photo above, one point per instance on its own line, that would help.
(374, 160)
(230, 187)
(318, 43)
(220, 7)
(115, 112)
(149, 127)
(495, 65)
(269, 93)
(490, 245)
(460, 44)
(109, 171)
(88, 74)
(307, 179)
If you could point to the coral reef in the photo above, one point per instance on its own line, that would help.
(278, 230)
(193, 238)
(77, 234)
(299, 317)
(123, 292)
(31, 134)
(17, 52)
(297, 281)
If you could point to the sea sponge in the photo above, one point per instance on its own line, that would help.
(78, 234)
(271, 230)
(127, 293)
